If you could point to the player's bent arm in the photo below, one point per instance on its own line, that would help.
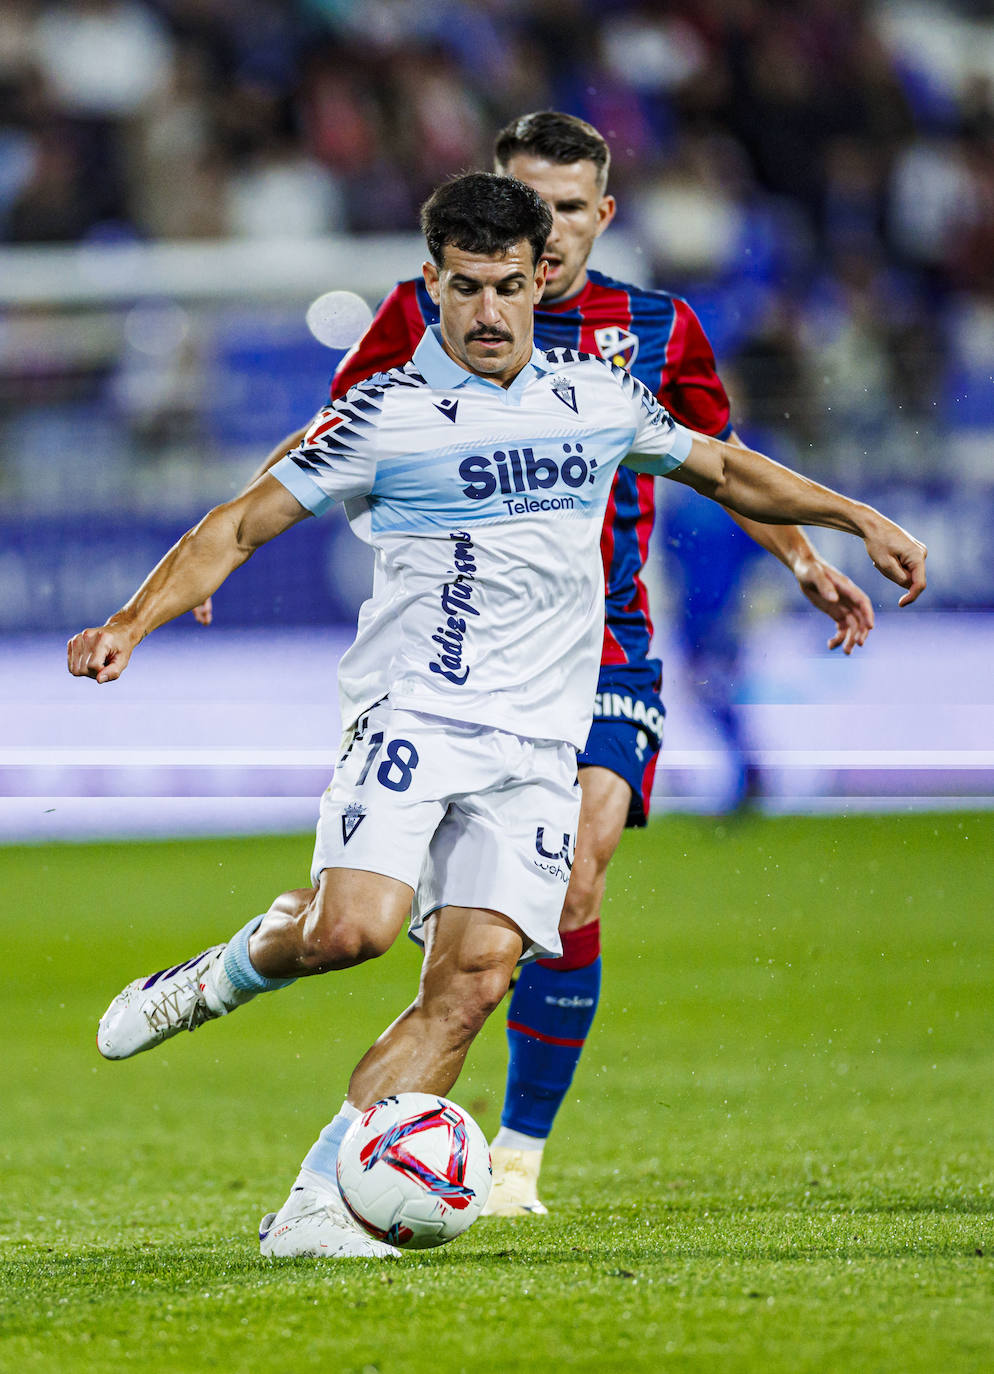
(757, 487)
(204, 610)
(193, 568)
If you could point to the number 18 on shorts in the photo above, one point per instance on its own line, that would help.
(467, 815)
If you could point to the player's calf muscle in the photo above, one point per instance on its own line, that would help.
(304, 935)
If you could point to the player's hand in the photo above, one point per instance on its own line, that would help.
(839, 597)
(204, 613)
(898, 555)
(101, 653)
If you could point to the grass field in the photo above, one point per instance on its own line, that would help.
(778, 1154)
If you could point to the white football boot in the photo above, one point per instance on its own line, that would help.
(313, 1222)
(515, 1187)
(150, 1010)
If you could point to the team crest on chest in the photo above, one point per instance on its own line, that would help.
(617, 345)
(566, 392)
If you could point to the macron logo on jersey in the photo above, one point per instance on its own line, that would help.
(448, 409)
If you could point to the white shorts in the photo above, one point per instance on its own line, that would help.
(467, 815)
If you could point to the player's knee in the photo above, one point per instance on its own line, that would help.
(489, 991)
(467, 1002)
(483, 995)
(336, 940)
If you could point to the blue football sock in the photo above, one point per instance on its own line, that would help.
(322, 1157)
(550, 1014)
(241, 972)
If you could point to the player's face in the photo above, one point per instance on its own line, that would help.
(486, 308)
(580, 214)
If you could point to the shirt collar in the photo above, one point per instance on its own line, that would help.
(445, 374)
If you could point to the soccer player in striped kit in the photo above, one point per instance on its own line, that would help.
(657, 337)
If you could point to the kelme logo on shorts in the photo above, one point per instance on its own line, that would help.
(518, 470)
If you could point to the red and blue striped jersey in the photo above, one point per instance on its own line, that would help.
(653, 334)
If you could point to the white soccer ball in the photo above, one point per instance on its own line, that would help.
(414, 1170)
(338, 318)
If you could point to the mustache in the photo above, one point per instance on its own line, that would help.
(491, 334)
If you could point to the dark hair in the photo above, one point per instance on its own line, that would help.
(557, 138)
(482, 212)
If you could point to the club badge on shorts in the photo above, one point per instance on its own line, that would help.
(617, 345)
(352, 817)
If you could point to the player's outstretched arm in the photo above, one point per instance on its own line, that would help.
(203, 614)
(828, 589)
(756, 487)
(193, 568)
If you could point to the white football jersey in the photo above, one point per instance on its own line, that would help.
(484, 506)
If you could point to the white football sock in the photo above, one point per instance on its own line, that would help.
(515, 1140)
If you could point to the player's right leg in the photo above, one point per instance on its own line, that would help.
(555, 1000)
(376, 821)
(554, 1004)
(350, 917)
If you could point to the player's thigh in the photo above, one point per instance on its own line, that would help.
(606, 799)
(355, 915)
(626, 748)
(386, 800)
(604, 813)
(509, 848)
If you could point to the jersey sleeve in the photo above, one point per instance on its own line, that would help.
(660, 444)
(335, 461)
(391, 337)
(691, 389)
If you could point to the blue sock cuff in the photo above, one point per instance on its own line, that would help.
(322, 1157)
(239, 967)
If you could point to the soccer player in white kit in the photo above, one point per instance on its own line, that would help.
(479, 472)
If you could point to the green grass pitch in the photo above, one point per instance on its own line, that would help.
(778, 1154)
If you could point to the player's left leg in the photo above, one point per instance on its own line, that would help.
(469, 958)
(555, 1000)
(375, 824)
(554, 1004)
(351, 916)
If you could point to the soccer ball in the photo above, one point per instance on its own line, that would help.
(414, 1170)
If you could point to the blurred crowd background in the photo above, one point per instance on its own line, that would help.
(816, 176)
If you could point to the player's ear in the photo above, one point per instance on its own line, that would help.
(430, 273)
(541, 272)
(606, 207)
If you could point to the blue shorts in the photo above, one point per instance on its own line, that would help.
(627, 730)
